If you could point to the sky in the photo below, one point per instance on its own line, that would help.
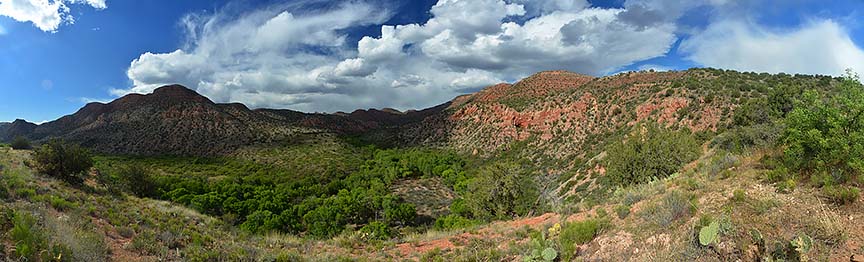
(328, 56)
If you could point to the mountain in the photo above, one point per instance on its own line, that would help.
(178, 121)
(558, 116)
(542, 163)
(3, 126)
(19, 127)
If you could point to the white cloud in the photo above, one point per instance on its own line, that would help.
(2, 30)
(285, 58)
(659, 68)
(820, 47)
(88, 100)
(47, 15)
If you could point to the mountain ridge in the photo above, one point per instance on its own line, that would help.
(559, 114)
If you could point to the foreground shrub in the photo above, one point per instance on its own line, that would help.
(650, 152)
(63, 160)
(842, 195)
(578, 233)
(29, 240)
(826, 135)
(20, 143)
(673, 206)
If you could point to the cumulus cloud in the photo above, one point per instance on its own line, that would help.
(47, 15)
(820, 47)
(288, 57)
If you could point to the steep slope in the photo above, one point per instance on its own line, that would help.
(559, 117)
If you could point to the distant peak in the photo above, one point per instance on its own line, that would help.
(174, 89)
(178, 92)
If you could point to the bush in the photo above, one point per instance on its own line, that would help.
(146, 243)
(29, 240)
(399, 213)
(842, 195)
(501, 191)
(136, 180)
(623, 211)
(577, 233)
(744, 138)
(825, 135)
(376, 230)
(650, 152)
(673, 206)
(20, 143)
(62, 160)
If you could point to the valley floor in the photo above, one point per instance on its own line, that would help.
(658, 221)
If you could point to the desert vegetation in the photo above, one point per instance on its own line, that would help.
(780, 181)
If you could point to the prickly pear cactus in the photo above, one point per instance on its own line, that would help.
(709, 234)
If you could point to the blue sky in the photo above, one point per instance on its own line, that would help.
(315, 55)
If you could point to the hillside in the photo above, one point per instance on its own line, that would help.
(559, 115)
(174, 120)
(562, 116)
(696, 165)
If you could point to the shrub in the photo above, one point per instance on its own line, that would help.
(20, 143)
(826, 134)
(29, 240)
(261, 221)
(786, 186)
(376, 230)
(501, 191)
(146, 243)
(399, 213)
(673, 206)
(136, 180)
(650, 152)
(623, 211)
(842, 195)
(58, 203)
(126, 232)
(739, 195)
(454, 221)
(578, 233)
(721, 164)
(740, 139)
(62, 160)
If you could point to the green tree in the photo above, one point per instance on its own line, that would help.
(501, 190)
(63, 160)
(131, 178)
(650, 152)
(20, 143)
(825, 135)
